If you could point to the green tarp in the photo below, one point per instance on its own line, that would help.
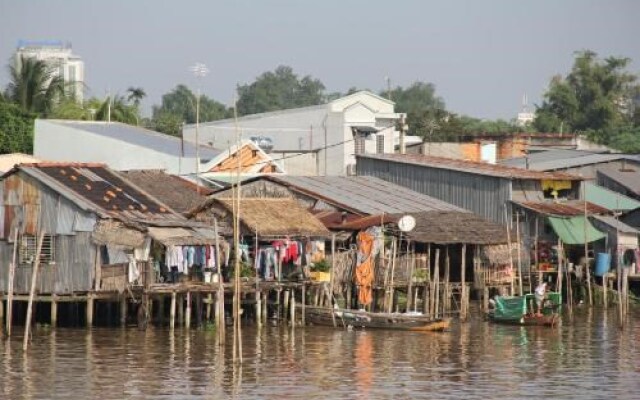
(572, 230)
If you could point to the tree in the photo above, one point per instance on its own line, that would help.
(597, 96)
(16, 129)
(179, 106)
(135, 95)
(114, 109)
(69, 108)
(425, 111)
(279, 90)
(34, 86)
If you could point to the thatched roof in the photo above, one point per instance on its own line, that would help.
(110, 232)
(177, 193)
(267, 217)
(451, 227)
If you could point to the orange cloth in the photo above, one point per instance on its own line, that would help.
(364, 268)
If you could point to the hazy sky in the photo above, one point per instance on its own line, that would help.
(481, 55)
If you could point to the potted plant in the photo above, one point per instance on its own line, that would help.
(320, 271)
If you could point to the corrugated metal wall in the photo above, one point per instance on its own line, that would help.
(484, 195)
(41, 209)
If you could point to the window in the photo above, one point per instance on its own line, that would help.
(28, 248)
(359, 144)
(380, 144)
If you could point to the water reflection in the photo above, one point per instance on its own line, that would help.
(590, 357)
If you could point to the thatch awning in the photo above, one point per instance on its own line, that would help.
(452, 227)
(110, 232)
(182, 236)
(267, 217)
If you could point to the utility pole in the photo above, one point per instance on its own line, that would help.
(200, 71)
(403, 129)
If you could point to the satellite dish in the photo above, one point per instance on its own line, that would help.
(407, 223)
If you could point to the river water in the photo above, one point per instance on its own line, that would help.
(587, 358)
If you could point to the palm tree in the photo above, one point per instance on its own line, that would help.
(116, 109)
(136, 95)
(34, 86)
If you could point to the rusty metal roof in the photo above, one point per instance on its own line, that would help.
(472, 167)
(566, 209)
(95, 187)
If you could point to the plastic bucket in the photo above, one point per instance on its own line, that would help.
(603, 262)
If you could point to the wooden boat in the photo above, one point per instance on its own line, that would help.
(372, 320)
(520, 310)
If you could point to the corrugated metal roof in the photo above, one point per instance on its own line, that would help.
(616, 224)
(573, 230)
(94, 187)
(471, 167)
(629, 177)
(609, 199)
(364, 194)
(563, 159)
(565, 209)
(136, 135)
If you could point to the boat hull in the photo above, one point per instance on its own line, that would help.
(366, 320)
(528, 320)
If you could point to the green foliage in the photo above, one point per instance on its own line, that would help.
(321, 266)
(279, 90)
(115, 109)
(597, 97)
(16, 129)
(33, 86)
(179, 106)
(625, 139)
(69, 108)
(135, 95)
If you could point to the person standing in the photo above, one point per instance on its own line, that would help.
(540, 292)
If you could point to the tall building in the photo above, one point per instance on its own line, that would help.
(525, 117)
(61, 60)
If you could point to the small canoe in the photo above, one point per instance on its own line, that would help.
(372, 320)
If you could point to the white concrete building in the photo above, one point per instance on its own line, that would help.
(120, 146)
(60, 59)
(315, 140)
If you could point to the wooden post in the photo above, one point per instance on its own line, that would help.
(286, 302)
(520, 288)
(123, 310)
(258, 308)
(54, 311)
(436, 290)
(394, 253)
(265, 309)
(463, 272)
(586, 245)
(219, 311)
(560, 261)
(508, 222)
(446, 299)
(89, 311)
(425, 302)
(304, 301)
(292, 307)
(34, 277)
(333, 274)
(208, 307)
(12, 274)
(536, 251)
(172, 311)
(180, 304)
(187, 316)
(1, 312)
(604, 290)
(411, 260)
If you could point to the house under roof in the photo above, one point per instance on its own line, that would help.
(361, 194)
(178, 193)
(471, 167)
(627, 179)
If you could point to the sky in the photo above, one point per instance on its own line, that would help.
(482, 56)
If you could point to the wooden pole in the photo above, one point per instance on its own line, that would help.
(536, 256)
(12, 274)
(172, 311)
(292, 307)
(518, 244)
(304, 300)
(508, 222)
(258, 307)
(187, 316)
(220, 325)
(560, 261)
(393, 268)
(89, 311)
(436, 290)
(411, 260)
(427, 281)
(587, 270)
(332, 276)
(446, 299)
(32, 292)
(123, 310)
(463, 272)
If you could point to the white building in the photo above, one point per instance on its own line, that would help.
(60, 59)
(120, 146)
(315, 140)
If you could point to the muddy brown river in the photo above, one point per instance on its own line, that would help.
(587, 358)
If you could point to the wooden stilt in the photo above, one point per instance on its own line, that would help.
(34, 277)
(1, 313)
(208, 307)
(394, 252)
(292, 307)
(286, 302)
(187, 316)
(333, 273)
(604, 290)
(446, 301)
(89, 311)
(436, 291)
(11, 279)
(172, 311)
(463, 273)
(265, 309)
(180, 304)
(303, 304)
(123, 310)
(519, 255)
(427, 282)
(258, 308)
(54, 311)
